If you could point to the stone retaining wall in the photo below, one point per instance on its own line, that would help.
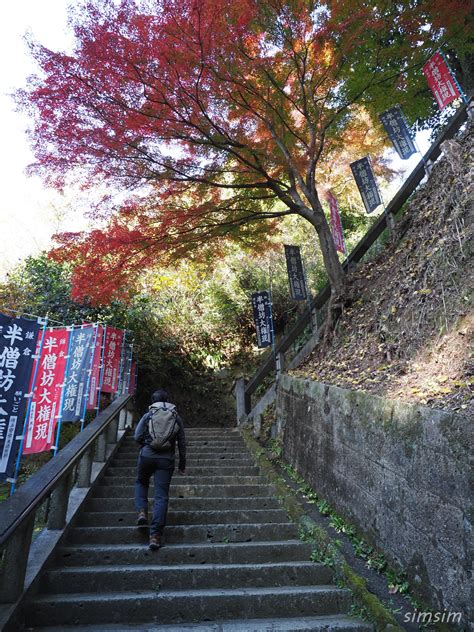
(398, 472)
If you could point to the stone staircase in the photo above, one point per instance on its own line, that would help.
(231, 559)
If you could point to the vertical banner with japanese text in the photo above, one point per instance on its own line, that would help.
(112, 355)
(397, 129)
(336, 225)
(47, 391)
(262, 314)
(441, 81)
(365, 180)
(296, 278)
(18, 340)
(77, 377)
(94, 387)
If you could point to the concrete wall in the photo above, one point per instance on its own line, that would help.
(398, 472)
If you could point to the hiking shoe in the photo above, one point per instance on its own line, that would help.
(155, 542)
(142, 518)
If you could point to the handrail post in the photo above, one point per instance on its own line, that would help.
(112, 431)
(85, 469)
(129, 421)
(242, 400)
(279, 364)
(314, 320)
(122, 419)
(59, 503)
(100, 448)
(12, 578)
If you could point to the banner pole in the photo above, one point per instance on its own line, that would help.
(270, 293)
(136, 378)
(102, 364)
(388, 218)
(30, 401)
(312, 312)
(63, 390)
(426, 166)
(275, 357)
(129, 372)
(121, 375)
(88, 384)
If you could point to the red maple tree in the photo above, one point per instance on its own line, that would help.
(209, 117)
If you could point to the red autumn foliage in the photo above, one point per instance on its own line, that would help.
(213, 115)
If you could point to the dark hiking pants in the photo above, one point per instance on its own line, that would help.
(162, 470)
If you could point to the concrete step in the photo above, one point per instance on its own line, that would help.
(223, 470)
(193, 462)
(186, 504)
(186, 533)
(182, 491)
(193, 437)
(209, 445)
(332, 623)
(119, 578)
(189, 606)
(251, 516)
(188, 553)
(231, 441)
(189, 480)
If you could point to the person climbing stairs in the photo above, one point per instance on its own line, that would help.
(231, 559)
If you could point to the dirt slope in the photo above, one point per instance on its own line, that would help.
(408, 333)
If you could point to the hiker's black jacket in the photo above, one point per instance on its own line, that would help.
(142, 436)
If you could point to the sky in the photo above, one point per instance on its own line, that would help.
(29, 213)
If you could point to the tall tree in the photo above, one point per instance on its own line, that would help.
(214, 116)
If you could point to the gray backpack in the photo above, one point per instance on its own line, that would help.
(163, 425)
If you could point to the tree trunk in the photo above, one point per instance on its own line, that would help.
(331, 260)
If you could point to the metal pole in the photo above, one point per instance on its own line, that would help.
(102, 366)
(388, 218)
(88, 384)
(309, 298)
(120, 377)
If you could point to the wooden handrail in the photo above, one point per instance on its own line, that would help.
(405, 191)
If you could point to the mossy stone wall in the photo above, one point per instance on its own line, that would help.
(399, 472)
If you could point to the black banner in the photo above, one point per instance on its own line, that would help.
(365, 180)
(397, 129)
(296, 278)
(17, 347)
(262, 314)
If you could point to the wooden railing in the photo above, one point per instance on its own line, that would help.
(406, 190)
(54, 481)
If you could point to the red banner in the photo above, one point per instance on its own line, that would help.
(47, 391)
(441, 81)
(336, 226)
(112, 354)
(94, 388)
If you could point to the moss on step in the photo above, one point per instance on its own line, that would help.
(311, 532)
